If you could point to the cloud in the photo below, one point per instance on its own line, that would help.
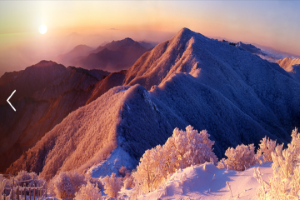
(113, 29)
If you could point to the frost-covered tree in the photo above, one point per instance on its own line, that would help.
(266, 147)
(112, 185)
(190, 147)
(151, 170)
(128, 182)
(66, 184)
(95, 181)
(88, 192)
(240, 158)
(285, 182)
(182, 149)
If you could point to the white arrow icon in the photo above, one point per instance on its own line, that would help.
(9, 102)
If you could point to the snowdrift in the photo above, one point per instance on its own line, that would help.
(206, 181)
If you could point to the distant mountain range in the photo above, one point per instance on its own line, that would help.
(190, 79)
(113, 56)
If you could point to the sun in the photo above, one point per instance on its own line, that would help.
(43, 29)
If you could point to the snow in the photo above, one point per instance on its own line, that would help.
(206, 181)
(112, 164)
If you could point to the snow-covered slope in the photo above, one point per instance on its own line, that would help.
(188, 80)
(206, 181)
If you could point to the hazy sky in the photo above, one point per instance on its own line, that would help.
(270, 23)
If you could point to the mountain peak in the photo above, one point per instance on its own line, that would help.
(82, 46)
(128, 39)
(124, 41)
(45, 63)
(184, 32)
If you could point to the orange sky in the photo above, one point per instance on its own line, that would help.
(270, 23)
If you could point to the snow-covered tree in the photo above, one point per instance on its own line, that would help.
(285, 182)
(266, 147)
(182, 149)
(186, 148)
(66, 184)
(128, 182)
(151, 170)
(95, 181)
(88, 192)
(112, 185)
(240, 158)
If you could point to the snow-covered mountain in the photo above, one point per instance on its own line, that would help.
(190, 79)
(219, 80)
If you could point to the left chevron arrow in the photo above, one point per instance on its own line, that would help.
(9, 102)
